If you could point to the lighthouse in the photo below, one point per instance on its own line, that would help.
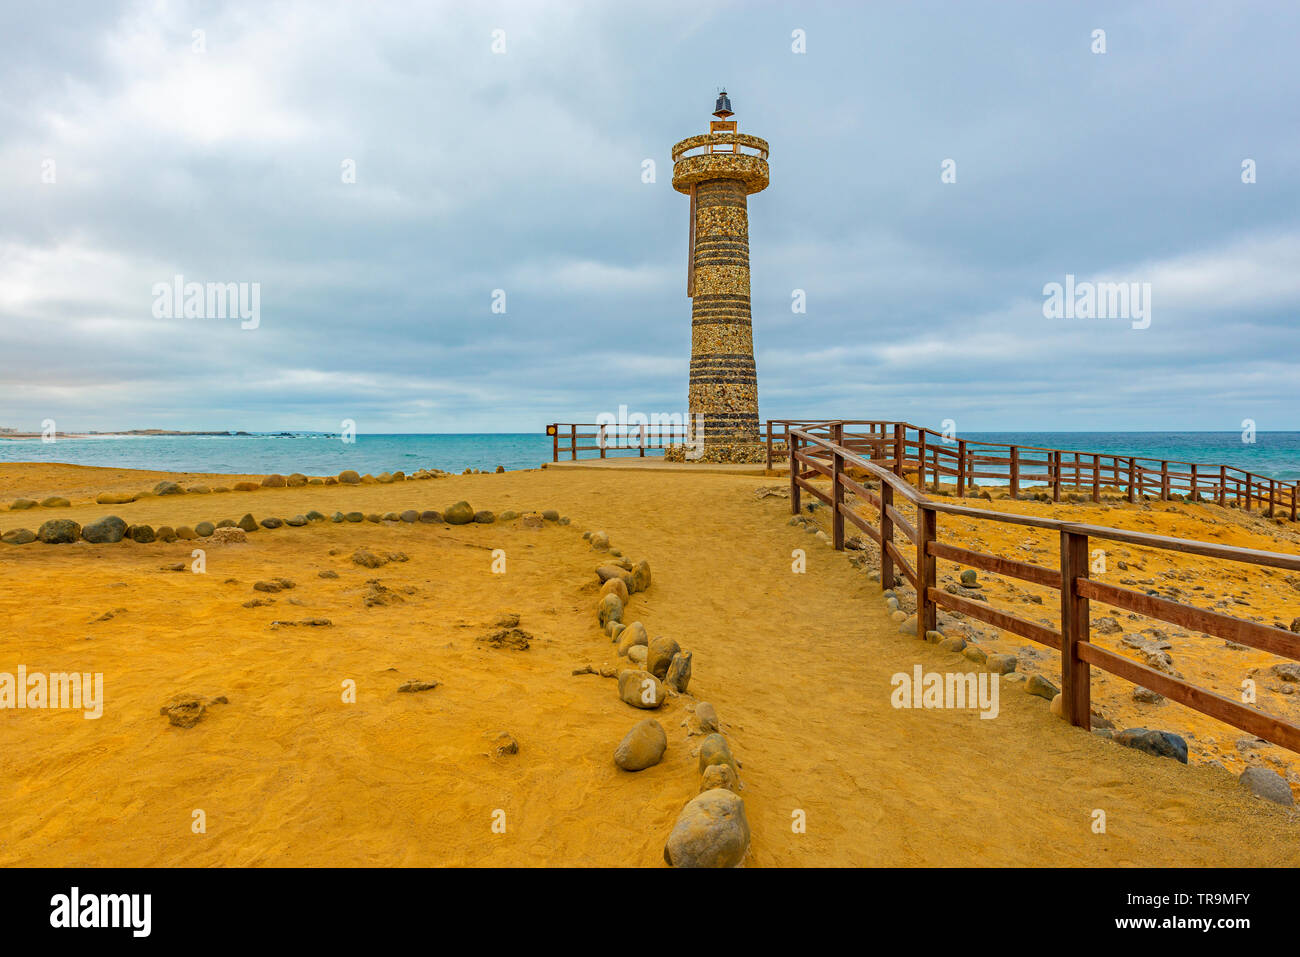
(718, 170)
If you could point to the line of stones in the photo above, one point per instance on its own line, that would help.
(711, 830)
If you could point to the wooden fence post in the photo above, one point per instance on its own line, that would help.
(1164, 481)
(792, 444)
(1249, 490)
(898, 449)
(1075, 681)
(555, 441)
(1294, 490)
(1096, 478)
(926, 610)
(1056, 476)
(1195, 495)
(1132, 478)
(769, 444)
(645, 437)
(886, 536)
(920, 460)
(1014, 469)
(837, 489)
(600, 439)
(1223, 486)
(961, 467)
(573, 441)
(1272, 497)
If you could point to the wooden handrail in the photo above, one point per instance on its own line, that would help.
(915, 450)
(808, 454)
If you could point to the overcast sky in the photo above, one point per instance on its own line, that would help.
(521, 171)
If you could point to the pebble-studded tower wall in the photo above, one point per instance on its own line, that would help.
(723, 391)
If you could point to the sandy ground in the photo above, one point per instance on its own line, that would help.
(797, 665)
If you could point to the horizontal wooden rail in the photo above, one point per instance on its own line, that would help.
(1037, 574)
(1263, 637)
(1007, 622)
(1231, 712)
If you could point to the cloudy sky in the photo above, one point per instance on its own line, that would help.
(220, 156)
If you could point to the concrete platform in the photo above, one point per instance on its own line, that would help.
(634, 463)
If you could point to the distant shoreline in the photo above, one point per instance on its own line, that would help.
(113, 435)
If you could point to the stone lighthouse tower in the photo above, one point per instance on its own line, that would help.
(718, 170)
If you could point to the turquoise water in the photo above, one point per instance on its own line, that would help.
(1273, 454)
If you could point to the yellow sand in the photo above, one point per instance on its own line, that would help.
(798, 667)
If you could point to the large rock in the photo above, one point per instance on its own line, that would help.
(1038, 685)
(634, 634)
(18, 536)
(1162, 744)
(59, 531)
(55, 501)
(714, 750)
(144, 534)
(615, 586)
(711, 831)
(706, 718)
(659, 655)
(296, 480)
(719, 776)
(275, 480)
(1001, 664)
(168, 488)
(459, 514)
(248, 523)
(679, 672)
(107, 531)
(114, 498)
(204, 529)
(606, 572)
(640, 577)
(609, 609)
(599, 541)
(22, 504)
(642, 747)
(349, 477)
(640, 689)
(1268, 784)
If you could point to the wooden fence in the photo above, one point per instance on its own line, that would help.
(568, 438)
(829, 451)
(934, 458)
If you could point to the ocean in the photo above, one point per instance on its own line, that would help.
(1273, 454)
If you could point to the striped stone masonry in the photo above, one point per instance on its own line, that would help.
(723, 390)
